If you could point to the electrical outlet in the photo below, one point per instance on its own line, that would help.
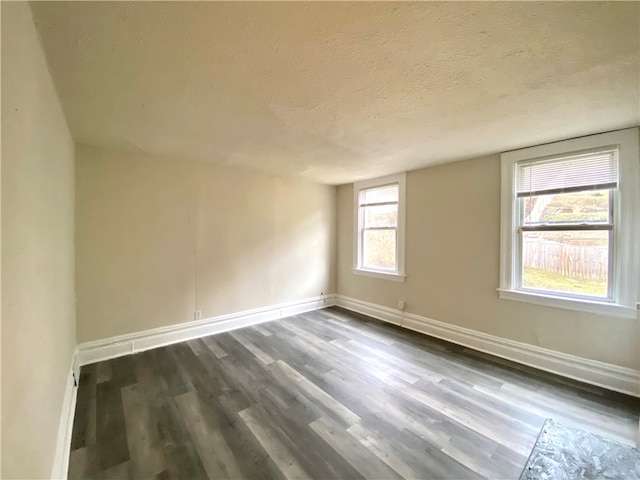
(324, 300)
(401, 305)
(197, 315)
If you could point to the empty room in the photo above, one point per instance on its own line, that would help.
(329, 240)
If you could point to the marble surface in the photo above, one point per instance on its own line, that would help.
(563, 452)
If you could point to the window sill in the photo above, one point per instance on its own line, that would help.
(394, 277)
(580, 305)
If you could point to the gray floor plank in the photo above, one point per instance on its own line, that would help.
(325, 394)
(268, 437)
(111, 435)
(145, 451)
(351, 450)
(218, 459)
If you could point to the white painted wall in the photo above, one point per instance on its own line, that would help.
(158, 238)
(38, 312)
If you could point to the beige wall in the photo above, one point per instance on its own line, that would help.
(158, 238)
(452, 259)
(38, 313)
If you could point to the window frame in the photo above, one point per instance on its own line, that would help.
(610, 226)
(623, 283)
(398, 274)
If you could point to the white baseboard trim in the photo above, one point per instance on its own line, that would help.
(65, 428)
(105, 349)
(611, 377)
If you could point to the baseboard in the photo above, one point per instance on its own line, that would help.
(65, 428)
(386, 314)
(611, 377)
(119, 346)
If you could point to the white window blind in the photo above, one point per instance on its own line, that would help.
(596, 170)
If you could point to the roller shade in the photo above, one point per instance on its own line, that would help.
(596, 170)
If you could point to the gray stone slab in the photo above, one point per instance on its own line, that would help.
(563, 452)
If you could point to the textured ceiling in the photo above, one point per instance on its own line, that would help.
(337, 92)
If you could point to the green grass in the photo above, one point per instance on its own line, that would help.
(541, 279)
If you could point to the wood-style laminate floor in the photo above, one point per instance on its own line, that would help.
(328, 394)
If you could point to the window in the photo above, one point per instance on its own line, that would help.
(569, 220)
(379, 227)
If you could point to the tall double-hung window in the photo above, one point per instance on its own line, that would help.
(379, 227)
(570, 223)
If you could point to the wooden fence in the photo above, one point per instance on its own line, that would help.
(585, 262)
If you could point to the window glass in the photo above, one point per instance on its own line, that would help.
(574, 262)
(379, 249)
(567, 208)
(381, 216)
(388, 193)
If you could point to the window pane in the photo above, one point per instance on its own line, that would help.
(570, 262)
(580, 207)
(381, 216)
(379, 249)
(381, 194)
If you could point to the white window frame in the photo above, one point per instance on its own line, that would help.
(398, 274)
(626, 232)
